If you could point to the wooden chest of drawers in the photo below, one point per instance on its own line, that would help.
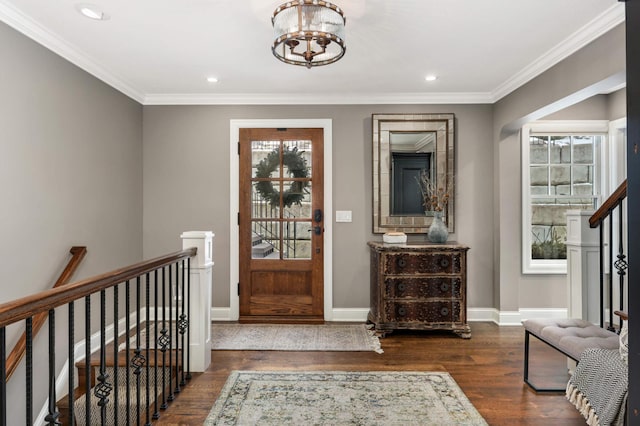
(419, 287)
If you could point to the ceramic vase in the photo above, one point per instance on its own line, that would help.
(438, 232)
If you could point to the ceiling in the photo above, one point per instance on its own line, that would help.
(161, 52)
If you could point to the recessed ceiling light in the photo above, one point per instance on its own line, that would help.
(431, 78)
(92, 11)
(212, 79)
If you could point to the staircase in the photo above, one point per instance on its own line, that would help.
(159, 290)
(136, 397)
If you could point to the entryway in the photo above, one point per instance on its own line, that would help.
(283, 244)
(281, 225)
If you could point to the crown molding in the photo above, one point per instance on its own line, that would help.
(317, 99)
(32, 29)
(591, 31)
(603, 23)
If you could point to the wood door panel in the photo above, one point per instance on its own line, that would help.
(281, 283)
(281, 305)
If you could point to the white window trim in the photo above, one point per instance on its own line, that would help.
(552, 266)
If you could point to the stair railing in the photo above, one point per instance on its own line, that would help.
(608, 210)
(168, 278)
(20, 348)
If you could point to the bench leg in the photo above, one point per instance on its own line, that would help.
(526, 368)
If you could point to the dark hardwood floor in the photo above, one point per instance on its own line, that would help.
(488, 367)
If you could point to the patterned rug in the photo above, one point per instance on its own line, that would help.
(278, 337)
(339, 398)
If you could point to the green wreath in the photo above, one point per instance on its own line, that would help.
(296, 168)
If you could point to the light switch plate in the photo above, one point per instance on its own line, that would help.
(343, 216)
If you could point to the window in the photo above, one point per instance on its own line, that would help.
(562, 170)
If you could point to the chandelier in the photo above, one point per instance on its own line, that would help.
(308, 32)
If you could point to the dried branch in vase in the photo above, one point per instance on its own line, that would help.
(434, 197)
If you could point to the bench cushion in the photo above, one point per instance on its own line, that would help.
(572, 335)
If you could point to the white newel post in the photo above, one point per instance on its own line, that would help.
(583, 266)
(200, 302)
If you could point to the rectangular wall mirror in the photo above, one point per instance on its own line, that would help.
(404, 146)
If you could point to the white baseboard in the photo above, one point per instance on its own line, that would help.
(220, 314)
(350, 314)
(510, 318)
(338, 314)
(502, 318)
(527, 313)
(482, 315)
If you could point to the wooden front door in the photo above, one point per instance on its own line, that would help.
(281, 224)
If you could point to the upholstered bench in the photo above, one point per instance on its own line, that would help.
(569, 336)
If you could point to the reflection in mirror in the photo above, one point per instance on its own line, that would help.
(404, 146)
(411, 154)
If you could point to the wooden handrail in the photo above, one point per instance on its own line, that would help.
(16, 355)
(25, 307)
(611, 203)
(623, 315)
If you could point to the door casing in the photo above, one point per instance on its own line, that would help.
(234, 201)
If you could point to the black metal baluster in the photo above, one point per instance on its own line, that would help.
(189, 319)
(71, 364)
(183, 323)
(3, 376)
(171, 396)
(116, 345)
(87, 360)
(103, 388)
(29, 368)
(164, 342)
(148, 337)
(621, 263)
(156, 413)
(610, 327)
(52, 417)
(127, 350)
(138, 359)
(177, 330)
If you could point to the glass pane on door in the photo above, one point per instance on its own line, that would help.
(265, 200)
(296, 238)
(297, 158)
(297, 199)
(265, 239)
(265, 159)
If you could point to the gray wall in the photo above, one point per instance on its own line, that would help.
(596, 62)
(186, 163)
(70, 174)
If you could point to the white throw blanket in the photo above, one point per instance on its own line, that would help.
(598, 388)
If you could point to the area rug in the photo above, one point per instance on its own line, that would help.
(279, 337)
(339, 398)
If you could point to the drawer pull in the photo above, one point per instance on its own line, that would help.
(402, 311)
(444, 311)
(444, 262)
(402, 287)
(401, 262)
(444, 287)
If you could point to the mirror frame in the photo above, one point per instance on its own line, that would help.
(383, 125)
